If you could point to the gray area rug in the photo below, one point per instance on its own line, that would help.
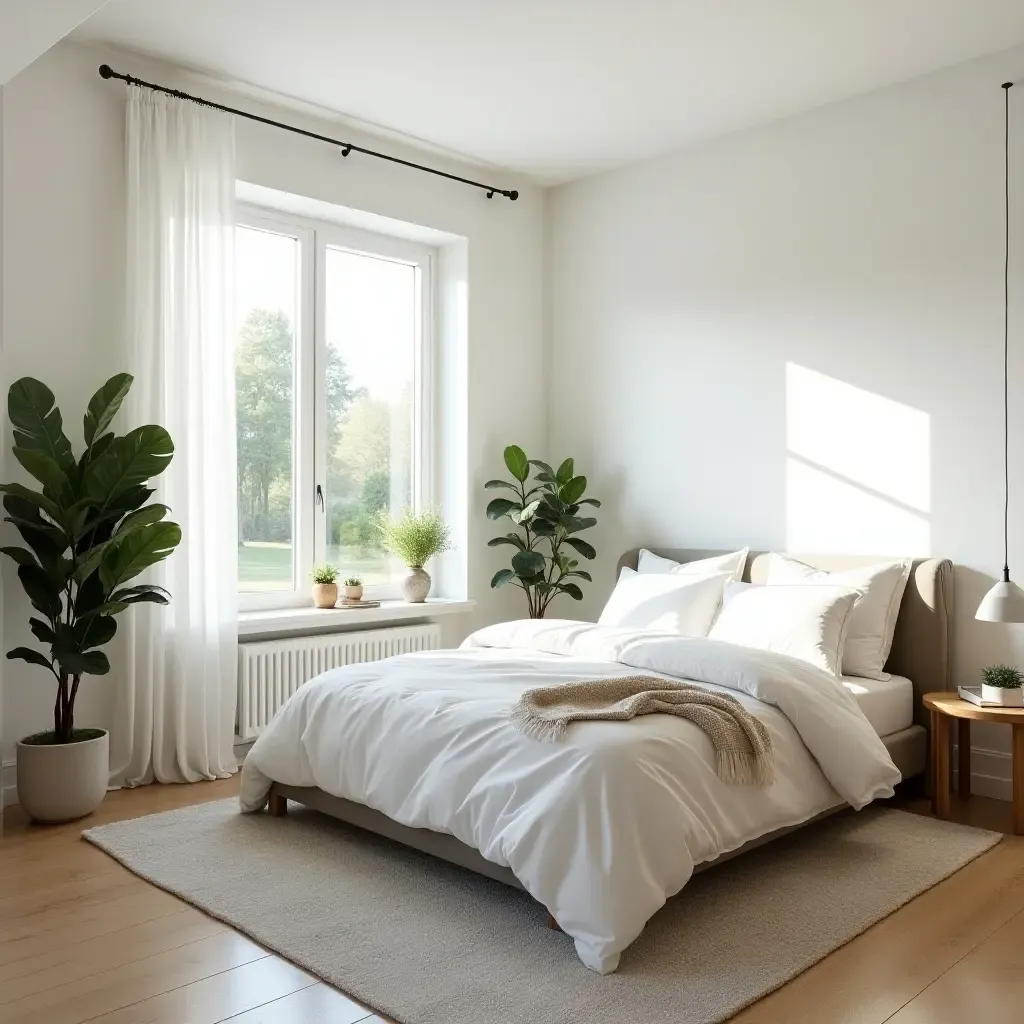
(429, 943)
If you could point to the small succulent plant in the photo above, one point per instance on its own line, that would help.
(1004, 677)
(353, 581)
(324, 574)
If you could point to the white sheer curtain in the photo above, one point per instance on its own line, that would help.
(174, 720)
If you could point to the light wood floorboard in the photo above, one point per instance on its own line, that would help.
(82, 939)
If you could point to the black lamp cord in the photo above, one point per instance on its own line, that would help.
(1007, 86)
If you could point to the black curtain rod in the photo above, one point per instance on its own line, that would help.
(106, 71)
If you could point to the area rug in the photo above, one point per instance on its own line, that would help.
(429, 943)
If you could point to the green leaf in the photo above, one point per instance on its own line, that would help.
(517, 462)
(145, 593)
(98, 447)
(42, 631)
(526, 514)
(501, 507)
(37, 421)
(107, 608)
(585, 549)
(44, 468)
(572, 491)
(36, 498)
(543, 527)
(141, 517)
(503, 576)
(572, 590)
(92, 663)
(565, 471)
(590, 501)
(95, 631)
(33, 657)
(575, 525)
(501, 483)
(528, 564)
(135, 552)
(509, 538)
(42, 592)
(128, 462)
(582, 574)
(543, 467)
(103, 406)
(21, 555)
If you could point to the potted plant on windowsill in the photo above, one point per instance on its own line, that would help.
(325, 586)
(414, 538)
(87, 533)
(353, 588)
(1002, 684)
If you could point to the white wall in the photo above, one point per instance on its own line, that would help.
(63, 238)
(791, 338)
(30, 27)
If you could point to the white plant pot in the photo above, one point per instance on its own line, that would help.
(325, 595)
(354, 593)
(1000, 695)
(63, 781)
(416, 585)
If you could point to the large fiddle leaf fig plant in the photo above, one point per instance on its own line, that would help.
(87, 532)
(546, 514)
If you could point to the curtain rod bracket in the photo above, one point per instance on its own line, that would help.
(107, 72)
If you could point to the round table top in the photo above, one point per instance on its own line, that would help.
(949, 702)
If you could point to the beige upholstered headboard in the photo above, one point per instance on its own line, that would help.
(921, 646)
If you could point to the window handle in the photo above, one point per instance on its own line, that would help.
(320, 496)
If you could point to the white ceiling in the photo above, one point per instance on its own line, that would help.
(561, 88)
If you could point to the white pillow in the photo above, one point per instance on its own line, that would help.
(733, 564)
(874, 618)
(677, 604)
(808, 623)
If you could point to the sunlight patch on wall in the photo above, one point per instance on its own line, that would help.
(858, 469)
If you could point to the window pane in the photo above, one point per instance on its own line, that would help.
(372, 329)
(267, 300)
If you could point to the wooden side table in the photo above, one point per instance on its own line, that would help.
(944, 708)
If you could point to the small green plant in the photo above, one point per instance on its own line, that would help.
(414, 537)
(353, 581)
(547, 516)
(324, 574)
(1004, 677)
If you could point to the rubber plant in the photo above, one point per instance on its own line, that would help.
(545, 512)
(87, 532)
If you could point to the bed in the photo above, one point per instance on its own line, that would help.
(419, 750)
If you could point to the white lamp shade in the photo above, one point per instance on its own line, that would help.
(1003, 603)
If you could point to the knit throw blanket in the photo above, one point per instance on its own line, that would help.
(743, 748)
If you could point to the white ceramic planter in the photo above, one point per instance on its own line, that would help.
(354, 593)
(416, 585)
(1000, 695)
(63, 781)
(325, 595)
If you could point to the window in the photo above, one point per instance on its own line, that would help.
(333, 342)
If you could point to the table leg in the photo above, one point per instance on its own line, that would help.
(941, 781)
(1018, 779)
(963, 759)
(933, 747)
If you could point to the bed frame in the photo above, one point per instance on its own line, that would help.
(920, 651)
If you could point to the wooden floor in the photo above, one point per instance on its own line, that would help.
(82, 939)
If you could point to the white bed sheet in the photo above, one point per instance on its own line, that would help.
(888, 704)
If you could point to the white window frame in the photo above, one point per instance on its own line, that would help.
(309, 466)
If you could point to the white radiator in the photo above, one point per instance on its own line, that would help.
(270, 671)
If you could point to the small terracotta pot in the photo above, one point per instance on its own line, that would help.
(354, 593)
(325, 595)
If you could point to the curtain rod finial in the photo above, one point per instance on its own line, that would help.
(1007, 85)
(106, 71)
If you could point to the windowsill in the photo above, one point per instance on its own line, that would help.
(330, 620)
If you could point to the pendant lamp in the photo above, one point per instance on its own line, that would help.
(1005, 601)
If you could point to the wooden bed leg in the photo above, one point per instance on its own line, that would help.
(277, 805)
(553, 924)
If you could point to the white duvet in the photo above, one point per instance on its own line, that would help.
(604, 826)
